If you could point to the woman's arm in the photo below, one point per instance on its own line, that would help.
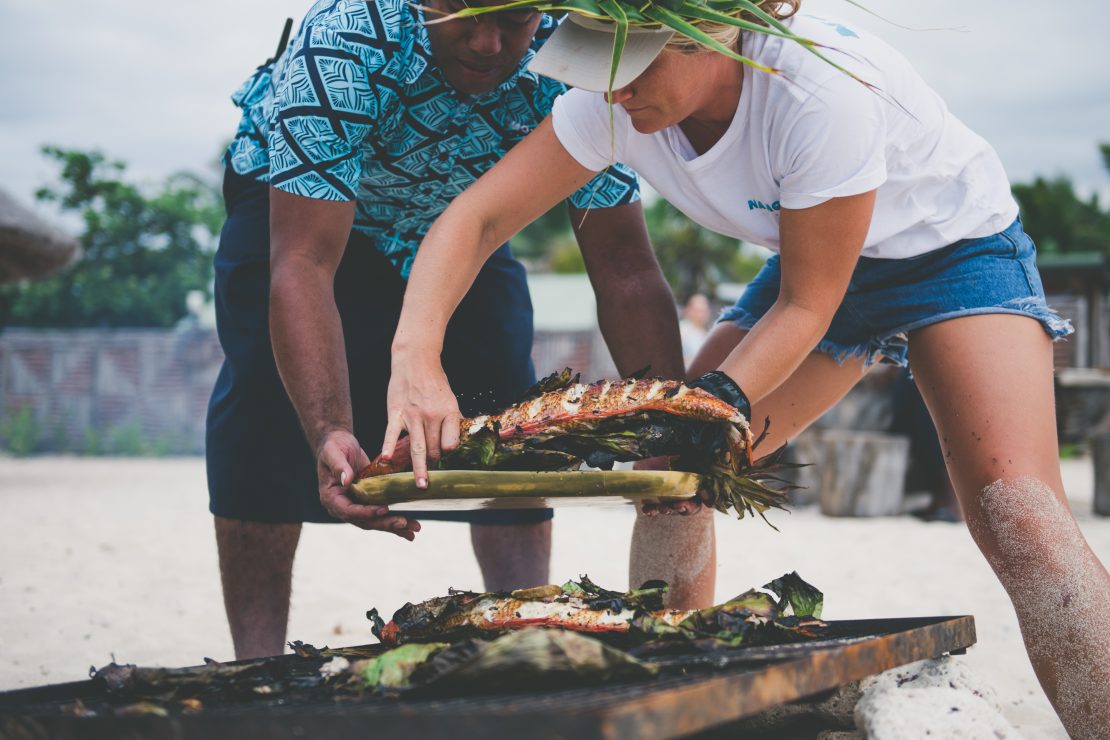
(819, 250)
(534, 176)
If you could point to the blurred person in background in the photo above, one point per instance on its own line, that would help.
(693, 328)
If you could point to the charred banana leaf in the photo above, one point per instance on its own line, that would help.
(526, 660)
(784, 609)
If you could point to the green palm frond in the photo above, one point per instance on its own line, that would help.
(616, 11)
(682, 16)
(680, 25)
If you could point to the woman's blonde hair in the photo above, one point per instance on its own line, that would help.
(730, 35)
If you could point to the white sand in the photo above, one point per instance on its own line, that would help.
(108, 556)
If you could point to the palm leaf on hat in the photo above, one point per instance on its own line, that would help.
(684, 17)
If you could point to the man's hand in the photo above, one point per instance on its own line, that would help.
(420, 401)
(337, 460)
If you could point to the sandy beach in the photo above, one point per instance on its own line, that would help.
(116, 557)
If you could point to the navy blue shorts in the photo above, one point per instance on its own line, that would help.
(260, 467)
(889, 298)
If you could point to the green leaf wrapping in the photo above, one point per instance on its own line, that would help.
(753, 617)
(529, 659)
(394, 668)
(803, 599)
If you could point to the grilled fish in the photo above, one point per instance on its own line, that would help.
(578, 409)
(788, 604)
(566, 423)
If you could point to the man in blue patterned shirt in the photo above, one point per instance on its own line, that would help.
(351, 144)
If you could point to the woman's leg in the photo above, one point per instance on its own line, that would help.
(682, 550)
(987, 381)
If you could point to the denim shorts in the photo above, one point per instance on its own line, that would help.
(888, 298)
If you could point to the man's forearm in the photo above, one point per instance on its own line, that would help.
(635, 306)
(639, 321)
(307, 337)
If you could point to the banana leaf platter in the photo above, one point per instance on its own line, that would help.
(453, 490)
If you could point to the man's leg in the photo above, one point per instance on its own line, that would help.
(512, 556)
(256, 571)
(681, 550)
(987, 381)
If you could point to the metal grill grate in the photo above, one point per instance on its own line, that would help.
(695, 692)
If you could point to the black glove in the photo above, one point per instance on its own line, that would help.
(724, 388)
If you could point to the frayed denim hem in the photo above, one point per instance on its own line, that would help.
(892, 350)
(1033, 307)
(889, 351)
(893, 347)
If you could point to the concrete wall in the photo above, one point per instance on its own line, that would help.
(97, 390)
(136, 391)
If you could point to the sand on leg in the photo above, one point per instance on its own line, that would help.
(987, 381)
(681, 550)
(256, 571)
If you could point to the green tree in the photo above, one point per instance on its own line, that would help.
(144, 248)
(1059, 220)
(537, 240)
(695, 259)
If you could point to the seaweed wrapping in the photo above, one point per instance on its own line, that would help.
(563, 423)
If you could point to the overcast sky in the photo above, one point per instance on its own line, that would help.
(148, 81)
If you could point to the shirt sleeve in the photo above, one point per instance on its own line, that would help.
(327, 102)
(834, 144)
(581, 122)
(582, 125)
(616, 185)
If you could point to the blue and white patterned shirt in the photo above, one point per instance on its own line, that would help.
(356, 109)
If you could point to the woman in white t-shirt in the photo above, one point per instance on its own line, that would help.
(897, 240)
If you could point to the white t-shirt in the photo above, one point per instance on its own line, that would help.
(811, 134)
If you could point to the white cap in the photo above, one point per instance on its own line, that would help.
(580, 53)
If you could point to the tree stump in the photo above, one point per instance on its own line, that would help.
(806, 449)
(1083, 415)
(1100, 454)
(863, 473)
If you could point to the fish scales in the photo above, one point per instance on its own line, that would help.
(577, 408)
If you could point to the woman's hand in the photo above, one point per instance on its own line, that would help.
(652, 508)
(420, 401)
(337, 460)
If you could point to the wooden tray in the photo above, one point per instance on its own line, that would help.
(453, 490)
